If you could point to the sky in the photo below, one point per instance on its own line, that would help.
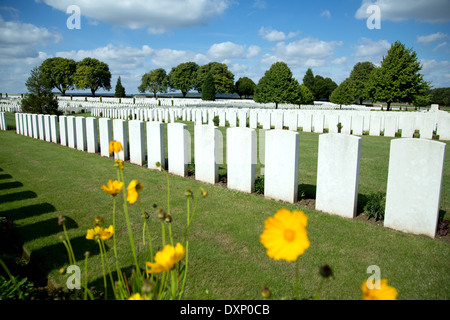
(136, 36)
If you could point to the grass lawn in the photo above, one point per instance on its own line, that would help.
(40, 181)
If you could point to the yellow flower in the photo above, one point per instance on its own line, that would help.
(115, 146)
(166, 259)
(113, 187)
(137, 296)
(385, 292)
(107, 233)
(133, 191)
(285, 235)
(93, 234)
(100, 233)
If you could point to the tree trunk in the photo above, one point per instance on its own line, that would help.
(184, 93)
(388, 107)
(276, 105)
(93, 92)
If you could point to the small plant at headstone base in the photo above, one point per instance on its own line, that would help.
(165, 273)
(375, 206)
(443, 227)
(216, 121)
(259, 185)
(339, 127)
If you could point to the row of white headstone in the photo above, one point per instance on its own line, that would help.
(414, 176)
(3, 124)
(351, 122)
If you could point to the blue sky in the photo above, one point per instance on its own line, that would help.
(136, 36)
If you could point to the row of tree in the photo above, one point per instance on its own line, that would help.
(398, 79)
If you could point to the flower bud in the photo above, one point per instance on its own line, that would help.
(98, 221)
(325, 271)
(62, 271)
(148, 287)
(61, 220)
(161, 214)
(265, 293)
(158, 164)
(188, 193)
(168, 218)
(146, 215)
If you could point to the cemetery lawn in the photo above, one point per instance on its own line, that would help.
(40, 181)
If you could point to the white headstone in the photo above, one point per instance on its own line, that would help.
(414, 185)
(177, 148)
(137, 141)
(92, 135)
(105, 132)
(155, 145)
(318, 119)
(357, 124)
(390, 125)
(120, 135)
(281, 165)
(375, 125)
(47, 128)
(338, 174)
(80, 123)
(35, 126)
(241, 159)
(206, 153)
(63, 130)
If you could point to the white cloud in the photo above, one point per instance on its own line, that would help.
(440, 45)
(437, 72)
(275, 35)
(229, 50)
(370, 50)
(304, 52)
(157, 16)
(326, 14)
(431, 38)
(340, 60)
(399, 10)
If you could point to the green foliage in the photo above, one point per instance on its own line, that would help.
(15, 288)
(40, 98)
(154, 81)
(308, 80)
(359, 79)
(120, 90)
(60, 72)
(223, 78)
(344, 93)
(259, 185)
(440, 96)
(208, 88)
(375, 206)
(398, 79)
(92, 74)
(216, 120)
(183, 77)
(323, 87)
(307, 96)
(279, 86)
(245, 87)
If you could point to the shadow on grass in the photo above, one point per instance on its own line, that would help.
(44, 228)
(10, 185)
(17, 196)
(55, 256)
(27, 211)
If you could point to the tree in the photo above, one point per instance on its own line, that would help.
(359, 78)
(183, 77)
(245, 87)
(40, 98)
(208, 88)
(344, 93)
(398, 79)
(323, 87)
(61, 72)
(154, 81)
(308, 80)
(307, 96)
(120, 90)
(92, 74)
(223, 78)
(278, 86)
(440, 96)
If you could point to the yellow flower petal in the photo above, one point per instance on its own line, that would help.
(166, 258)
(115, 146)
(113, 187)
(133, 191)
(285, 236)
(384, 292)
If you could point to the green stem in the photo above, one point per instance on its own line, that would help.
(185, 271)
(103, 268)
(71, 254)
(319, 289)
(85, 277)
(296, 280)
